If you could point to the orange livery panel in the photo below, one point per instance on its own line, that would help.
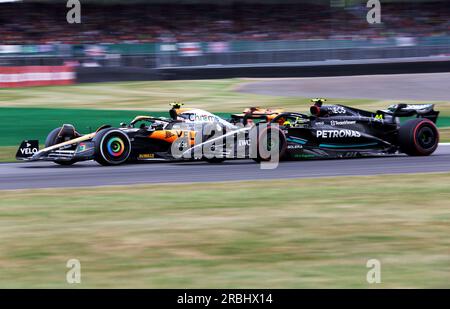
(171, 136)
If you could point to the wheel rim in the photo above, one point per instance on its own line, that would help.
(426, 137)
(115, 147)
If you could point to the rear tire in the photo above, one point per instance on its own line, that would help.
(112, 147)
(263, 140)
(418, 137)
(54, 138)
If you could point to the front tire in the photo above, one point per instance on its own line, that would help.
(58, 136)
(112, 147)
(418, 137)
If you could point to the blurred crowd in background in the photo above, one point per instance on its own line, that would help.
(46, 23)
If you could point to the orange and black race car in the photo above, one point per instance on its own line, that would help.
(146, 138)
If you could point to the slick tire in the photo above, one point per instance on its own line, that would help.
(418, 137)
(263, 142)
(112, 147)
(54, 138)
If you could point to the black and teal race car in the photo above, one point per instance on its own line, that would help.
(336, 131)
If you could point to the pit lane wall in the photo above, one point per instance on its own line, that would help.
(27, 76)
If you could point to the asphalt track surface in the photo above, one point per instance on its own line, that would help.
(50, 175)
(420, 87)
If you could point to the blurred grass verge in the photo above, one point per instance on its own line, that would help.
(214, 95)
(219, 95)
(315, 233)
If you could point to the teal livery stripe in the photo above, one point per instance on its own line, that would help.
(297, 140)
(347, 146)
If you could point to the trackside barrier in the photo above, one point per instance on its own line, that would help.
(27, 76)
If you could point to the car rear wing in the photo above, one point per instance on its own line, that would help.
(410, 110)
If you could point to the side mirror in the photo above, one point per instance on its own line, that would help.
(123, 124)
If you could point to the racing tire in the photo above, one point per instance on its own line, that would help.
(418, 137)
(54, 138)
(112, 147)
(263, 140)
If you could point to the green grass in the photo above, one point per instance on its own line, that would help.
(35, 123)
(8, 154)
(213, 95)
(315, 233)
(17, 124)
(444, 134)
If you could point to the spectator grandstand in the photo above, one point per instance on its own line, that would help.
(45, 23)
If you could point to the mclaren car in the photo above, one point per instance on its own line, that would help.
(145, 138)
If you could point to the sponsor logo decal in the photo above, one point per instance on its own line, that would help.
(244, 142)
(291, 147)
(337, 110)
(337, 133)
(82, 147)
(303, 156)
(169, 134)
(28, 151)
(342, 123)
(146, 156)
(202, 118)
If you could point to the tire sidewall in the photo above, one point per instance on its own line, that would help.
(408, 137)
(51, 137)
(419, 148)
(51, 141)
